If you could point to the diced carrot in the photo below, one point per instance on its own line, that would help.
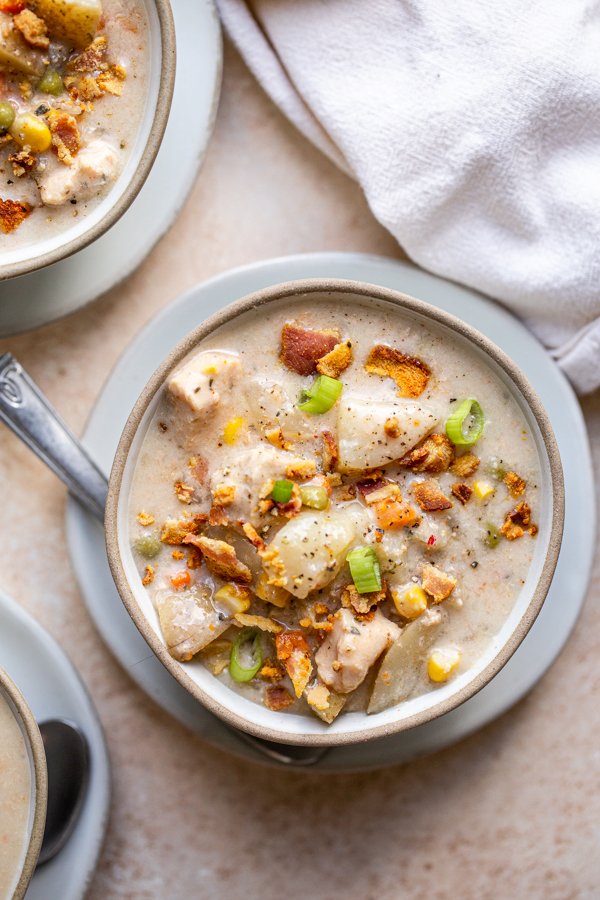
(391, 514)
(12, 7)
(181, 580)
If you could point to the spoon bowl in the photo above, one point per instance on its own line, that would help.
(68, 763)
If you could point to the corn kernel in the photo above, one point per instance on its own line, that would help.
(232, 430)
(270, 593)
(442, 664)
(483, 489)
(30, 130)
(234, 597)
(410, 603)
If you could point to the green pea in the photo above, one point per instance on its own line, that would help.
(51, 82)
(7, 116)
(492, 536)
(148, 546)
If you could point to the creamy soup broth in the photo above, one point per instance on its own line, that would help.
(15, 793)
(220, 461)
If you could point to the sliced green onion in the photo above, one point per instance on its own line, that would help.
(282, 491)
(246, 655)
(321, 395)
(314, 495)
(465, 425)
(364, 568)
(492, 535)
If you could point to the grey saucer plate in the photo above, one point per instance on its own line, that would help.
(54, 690)
(554, 624)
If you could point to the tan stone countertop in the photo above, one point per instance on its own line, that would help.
(511, 812)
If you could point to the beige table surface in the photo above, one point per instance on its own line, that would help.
(512, 812)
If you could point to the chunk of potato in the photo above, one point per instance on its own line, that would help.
(14, 52)
(189, 622)
(72, 21)
(372, 434)
(307, 553)
(404, 663)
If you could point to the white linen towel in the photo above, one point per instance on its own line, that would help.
(473, 128)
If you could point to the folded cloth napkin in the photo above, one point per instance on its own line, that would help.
(473, 128)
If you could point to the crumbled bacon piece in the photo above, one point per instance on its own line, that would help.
(23, 162)
(224, 494)
(277, 698)
(362, 603)
(271, 671)
(515, 484)
(462, 492)
(439, 585)
(301, 470)
(12, 214)
(92, 59)
(217, 516)
(517, 522)
(145, 518)
(111, 81)
(249, 620)
(410, 374)
(288, 642)
(365, 488)
(65, 135)
(294, 652)
(184, 492)
(221, 558)
(336, 361)
(175, 530)
(301, 348)
(199, 468)
(430, 496)
(33, 29)
(434, 455)
(276, 438)
(253, 536)
(466, 465)
(84, 88)
(330, 453)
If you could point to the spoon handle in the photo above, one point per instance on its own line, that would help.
(27, 412)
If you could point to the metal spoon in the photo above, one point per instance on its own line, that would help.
(28, 413)
(68, 762)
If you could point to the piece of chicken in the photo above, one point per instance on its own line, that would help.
(351, 648)
(95, 165)
(200, 381)
(251, 470)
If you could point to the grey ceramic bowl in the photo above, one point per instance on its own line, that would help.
(130, 181)
(39, 787)
(351, 727)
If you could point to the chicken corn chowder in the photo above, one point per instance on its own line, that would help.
(333, 507)
(73, 84)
